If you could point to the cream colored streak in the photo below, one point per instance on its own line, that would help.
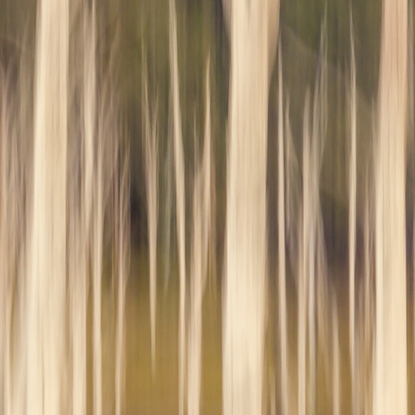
(9, 232)
(391, 350)
(47, 278)
(97, 228)
(207, 170)
(180, 195)
(246, 247)
(5, 295)
(81, 242)
(201, 226)
(123, 260)
(311, 249)
(368, 313)
(18, 136)
(352, 222)
(303, 262)
(151, 150)
(313, 222)
(282, 292)
(336, 360)
(98, 223)
(292, 224)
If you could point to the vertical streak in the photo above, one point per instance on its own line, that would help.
(78, 273)
(167, 214)
(311, 182)
(352, 219)
(246, 247)
(303, 262)
(336, 361)
(98, 223)
(200, 246)
(123, 256)
(180, 200)
(207, 180)
(196, 296)
(46, 275)
(151, 149)
(81, 243)
(100, 191)
(9, 205)
(272, 398)
(314, 253)
(17, 221)
(391, 350)
(281, 247)
(367, 339)
(153, 229)
(14, 226)
(4, 281)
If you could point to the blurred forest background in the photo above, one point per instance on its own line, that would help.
(133, 35)
(131, 30)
